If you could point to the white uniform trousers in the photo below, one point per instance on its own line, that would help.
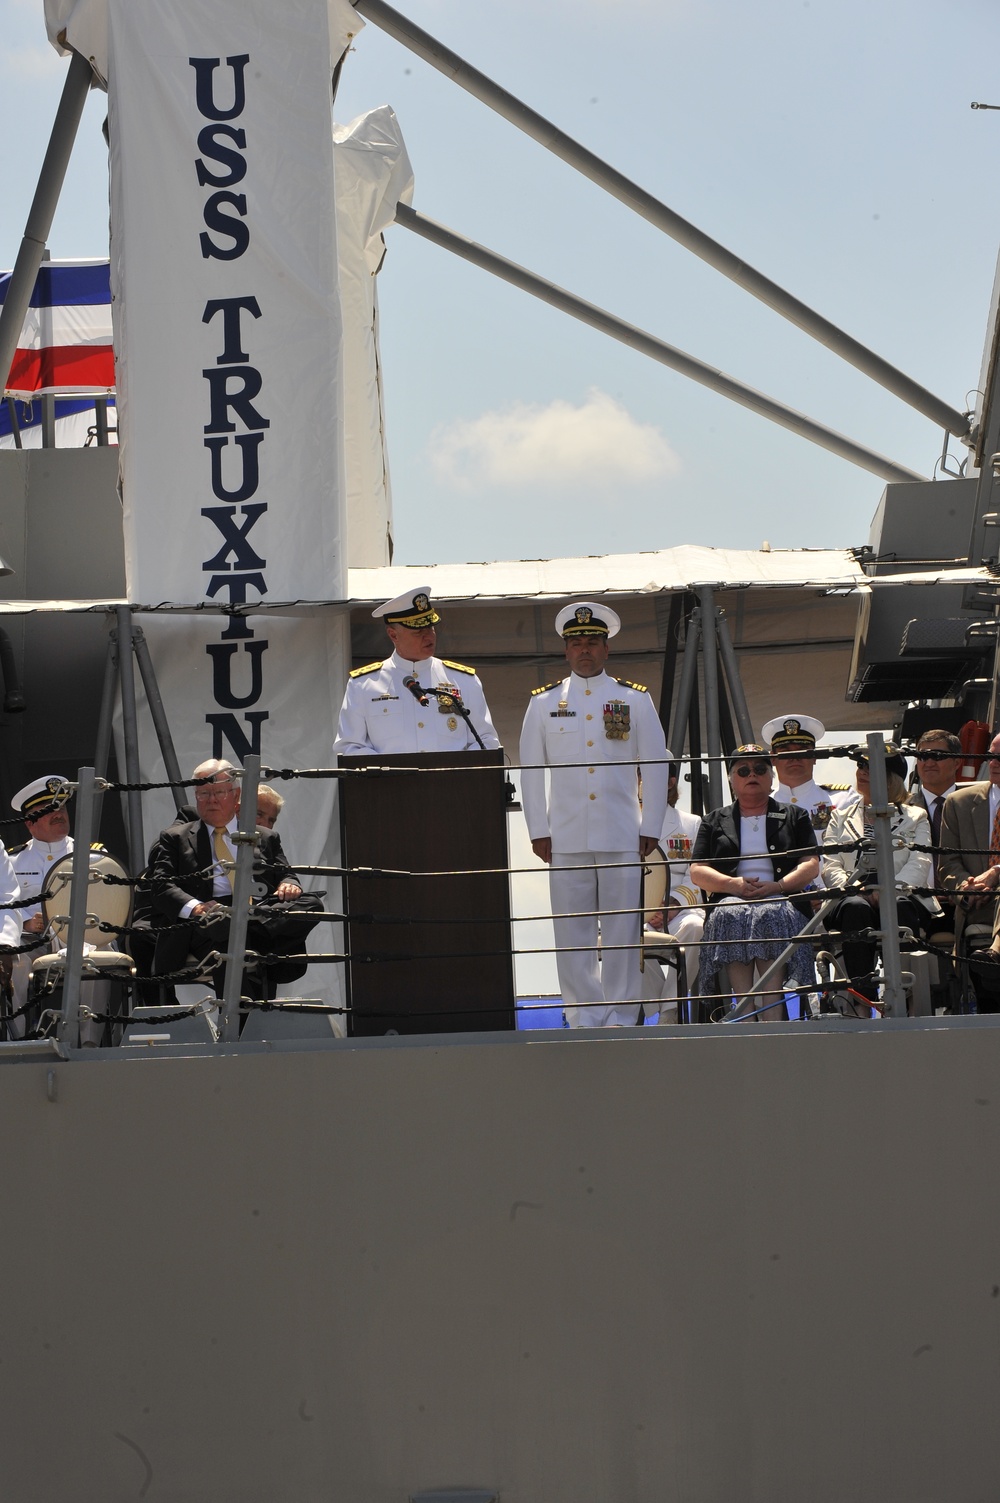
(19, 982)
(659, 983)
(615, 982)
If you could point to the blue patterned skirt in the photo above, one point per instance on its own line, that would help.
(762, 930)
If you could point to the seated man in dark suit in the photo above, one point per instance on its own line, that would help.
(189, 879)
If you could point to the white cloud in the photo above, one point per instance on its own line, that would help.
(32, 62)
(597, 443)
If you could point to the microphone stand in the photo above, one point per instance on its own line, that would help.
(443, 696)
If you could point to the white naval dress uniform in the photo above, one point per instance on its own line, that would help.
(31, 865)
(10, 923)
(659, 984)
(593, 816)
(819, 801)
(380, 714)
(821, 804)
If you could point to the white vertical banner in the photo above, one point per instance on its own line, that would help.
(226, 305)
(228, 350)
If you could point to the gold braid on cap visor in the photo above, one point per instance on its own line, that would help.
(414, 623)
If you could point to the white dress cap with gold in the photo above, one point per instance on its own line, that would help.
(588, 618)
(792, 731)
(44, 793)
(412, 609)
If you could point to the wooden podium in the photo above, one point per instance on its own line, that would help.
(428, 954)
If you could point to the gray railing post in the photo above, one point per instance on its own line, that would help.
(242, 888)
(69, 1023)
(888, 922)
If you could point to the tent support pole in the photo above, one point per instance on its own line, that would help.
(159, 715)
(656, 349)
(102, 752)
(731, 668)
(710, 669)
(130, 731)
(607, 177)
(670, 654)
(43, 208)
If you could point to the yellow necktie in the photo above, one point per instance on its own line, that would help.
(995, 839)
(222, 854)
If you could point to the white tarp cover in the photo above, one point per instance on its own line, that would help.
(373, 175)
(616, 573)
(84, 26)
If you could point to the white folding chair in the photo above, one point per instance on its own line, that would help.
(107, 902)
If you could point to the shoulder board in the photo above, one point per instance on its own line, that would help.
(369, 668)
(544, 688)
(458, 667)
(15, 850)
(628, 684)
(835, 787)
(98, 845)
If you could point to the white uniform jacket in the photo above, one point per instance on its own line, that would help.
(676, 842)
(820, 803)
(10, 891)
(31, 865)
(607, 725)
(906, 823)
(379, 714)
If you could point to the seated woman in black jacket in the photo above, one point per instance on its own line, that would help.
(754, 849)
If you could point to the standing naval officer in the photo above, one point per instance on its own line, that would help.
(387, 706)
(792, 739)
(598, 734)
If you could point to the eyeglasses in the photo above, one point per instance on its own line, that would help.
(993, 759)
(757, 768)
(934, 756)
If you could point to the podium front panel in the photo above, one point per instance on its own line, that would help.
(428, 924)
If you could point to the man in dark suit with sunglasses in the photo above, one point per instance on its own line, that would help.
(969, 859)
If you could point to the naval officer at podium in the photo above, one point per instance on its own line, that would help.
(597, 734)
(413, 701)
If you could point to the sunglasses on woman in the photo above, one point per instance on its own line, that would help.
(757, 768)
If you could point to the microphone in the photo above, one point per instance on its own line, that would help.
(412, 683)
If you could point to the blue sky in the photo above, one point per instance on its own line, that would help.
(829, 144)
